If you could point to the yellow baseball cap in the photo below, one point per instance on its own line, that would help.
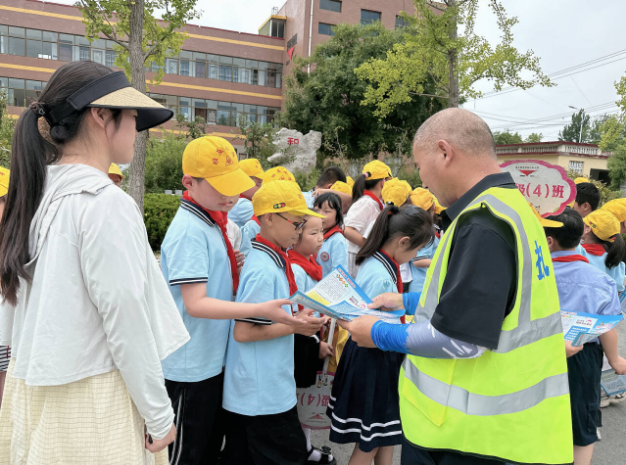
(214, 159)
(603, 224)
(438, 207)
(545, 222)
(349, 181)
(422, 198)
(278, 173)
(251, 167)
(340, 186)
(5, 174)
(581, 180)
(617, 207)
(281, 197)
(376, 170)
(114, 169)
(395, 192)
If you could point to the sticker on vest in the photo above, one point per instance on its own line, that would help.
(324, 256)
(542, 268)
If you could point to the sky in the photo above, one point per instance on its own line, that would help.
(563, 33)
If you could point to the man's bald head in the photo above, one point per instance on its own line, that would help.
(463, 129)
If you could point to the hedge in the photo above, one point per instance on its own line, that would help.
(159, 211)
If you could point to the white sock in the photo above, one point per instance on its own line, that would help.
(307, 435)
(315, 455)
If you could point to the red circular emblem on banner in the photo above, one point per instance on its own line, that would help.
(324, 256)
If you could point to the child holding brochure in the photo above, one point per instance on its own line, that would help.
(309, 351)
(364, 405)
(366, 205)
(583, 288)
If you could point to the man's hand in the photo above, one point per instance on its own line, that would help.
(361, 327)
(310, 325)
(157, 445)
(387, 302)
(619, 365)
(273, 310)
(571, 350)
(239, 258)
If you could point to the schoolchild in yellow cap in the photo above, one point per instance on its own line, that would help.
(115, 173)
(278, 173)
(242, 212)
(366, 205)
(349, 181)
(618, 208)
(198, 261)
(259, 386)
(396, 192)
(604, 246)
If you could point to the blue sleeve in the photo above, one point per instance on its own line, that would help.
(255, 287)
(187, 260)
(411, 300)
(247, 234)
(300, 276)
(339, 252)
(608, 302)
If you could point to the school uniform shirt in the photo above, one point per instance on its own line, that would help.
(234, 234)
(310, 199)
(241, 213)
(419, 274)
(361, 216)
(194, 251)
(248, 232)
(616, 273)
(334, 252)
(406, 273)
(259, 376)
(303, 280)
(377, 275)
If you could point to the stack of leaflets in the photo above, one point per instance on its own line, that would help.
(338, 296)
(612, 383)
(581, 328)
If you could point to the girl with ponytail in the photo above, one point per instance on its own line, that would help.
(366, 205)
(604, 245)
(364, 405)
(85, 307)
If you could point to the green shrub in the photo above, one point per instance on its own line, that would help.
(413, 178)
(164, 164)
(159, 211)
(307, 181)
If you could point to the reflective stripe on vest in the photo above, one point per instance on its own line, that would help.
(527, 331)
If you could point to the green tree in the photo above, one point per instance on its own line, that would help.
(572, 132)
(7, 126)
(435, 49)
(330, 98)
(258, 139)
(534, 137)
(190, 129)
(507, 137)
(164, 164)
(141, 41)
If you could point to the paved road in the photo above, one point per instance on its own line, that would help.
(610, 451)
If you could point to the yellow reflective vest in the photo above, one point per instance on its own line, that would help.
(510, 403)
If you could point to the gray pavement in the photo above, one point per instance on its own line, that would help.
(610, 451)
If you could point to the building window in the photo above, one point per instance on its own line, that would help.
(325, 29)
(369, 17)
(400, 22)
(576, 167)
(331, 5)
(20, 93)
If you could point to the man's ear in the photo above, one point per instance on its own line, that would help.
(446, 150)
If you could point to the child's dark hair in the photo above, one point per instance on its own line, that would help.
(334, 202)
(330, 175)
(30, 155)
(392, 222)
(587, 192)
(569, 235)
(615, 251)
(361, 185)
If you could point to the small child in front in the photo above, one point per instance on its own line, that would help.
(583, 288)
(262, 424)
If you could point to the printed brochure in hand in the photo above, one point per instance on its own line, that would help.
(612, 383)
(338, 296)
(581, 328)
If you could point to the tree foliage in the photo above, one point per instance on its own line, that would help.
(506, 137)
(433, 49)
(164, 164)
(572, 132)
(7, 127)
(258, 140)
(330, 99)
(534, 137)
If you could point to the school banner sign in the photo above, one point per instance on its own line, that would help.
(544, 185)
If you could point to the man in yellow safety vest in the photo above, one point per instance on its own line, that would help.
(485, 379)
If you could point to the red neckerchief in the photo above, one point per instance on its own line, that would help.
(399, 284)
(291, 279)
(331, 231)
(594, 249)
(312, 268)
(256, 220)
(570, 258)
(373, 196)
(221, 219)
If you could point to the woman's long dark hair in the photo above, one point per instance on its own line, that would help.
(334, 202)
(407, 221)
(361, 185)
(30, 155)
(615, 251)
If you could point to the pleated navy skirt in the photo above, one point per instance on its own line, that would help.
(364, 403)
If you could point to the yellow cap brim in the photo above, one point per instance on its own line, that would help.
(233, 183)
(550, 223)
(305, 212)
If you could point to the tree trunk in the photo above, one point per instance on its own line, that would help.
(136, 184)
(453, 76)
